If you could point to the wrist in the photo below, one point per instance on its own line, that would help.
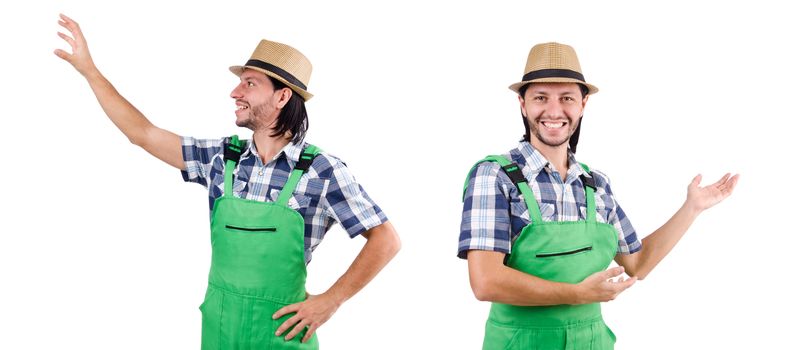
(575, 294)
(335, 297)
(690, 209)
(92, 74)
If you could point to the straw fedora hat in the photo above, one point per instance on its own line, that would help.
(552, 63)
(280, 62)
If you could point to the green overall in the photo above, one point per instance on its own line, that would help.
(565, 251)
(258, 265)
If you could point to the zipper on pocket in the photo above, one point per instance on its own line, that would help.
(575, 251)
(252, 229)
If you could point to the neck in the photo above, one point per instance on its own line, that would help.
(556, 155)
(268, 146)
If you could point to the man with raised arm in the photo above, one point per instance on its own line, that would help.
(272, 199)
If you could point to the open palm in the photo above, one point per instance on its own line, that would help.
(79, 58)
(701, 198)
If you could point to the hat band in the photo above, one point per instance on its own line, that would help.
(278, 71)
(553, 73)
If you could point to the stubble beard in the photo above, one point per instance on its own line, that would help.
(535, 130)
(254, 118)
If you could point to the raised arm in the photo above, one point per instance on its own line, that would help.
(658, 244)
(162, 144)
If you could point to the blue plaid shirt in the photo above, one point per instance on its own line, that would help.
(495, 211)
(326, 193)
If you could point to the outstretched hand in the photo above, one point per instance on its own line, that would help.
(79, 58)
(701, 198)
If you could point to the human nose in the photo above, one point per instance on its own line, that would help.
(236, 92)
(554, 108)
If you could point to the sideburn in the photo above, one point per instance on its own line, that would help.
(574, 139)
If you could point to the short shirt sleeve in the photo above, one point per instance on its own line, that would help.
(349, 204)
(628, 240)
(485, 220)
(199, 156)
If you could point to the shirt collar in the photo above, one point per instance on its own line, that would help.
(291, 151)
(536, 162)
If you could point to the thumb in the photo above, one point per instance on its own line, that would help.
(696, 181)
(62, 54)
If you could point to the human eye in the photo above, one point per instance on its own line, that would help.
(249, 84)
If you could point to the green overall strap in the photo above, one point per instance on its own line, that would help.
(589, 192)
(516, 175)
(304, 162)
(232, 151)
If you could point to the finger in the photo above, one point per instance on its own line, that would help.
(299, 327)
(613, 272)
(68, 39)
(66, 24)
(723, 179)
(65, 18)
(71, 25)
(287, 325)
(309, 333)
(286, 310)
(723, 183)
(626, 284)
(69, 21)
(730, 185)
(62, 54)
(696, 181)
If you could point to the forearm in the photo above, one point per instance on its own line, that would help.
(658, 244)
(123, 114)
(381, 246)
(492, 281)
(160, 143)
(513, 287)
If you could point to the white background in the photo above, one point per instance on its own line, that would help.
(102, 246)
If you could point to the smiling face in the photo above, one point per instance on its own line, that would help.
(258, 104)
(553, 111)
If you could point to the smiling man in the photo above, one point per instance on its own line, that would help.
(539, 229)
(272, 199)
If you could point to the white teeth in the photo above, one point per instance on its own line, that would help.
(553, 125)
(241, 107)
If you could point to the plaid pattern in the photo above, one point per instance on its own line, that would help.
(495, 211)
(326, 193)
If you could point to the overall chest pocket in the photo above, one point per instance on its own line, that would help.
(251, 228)
(564, 252)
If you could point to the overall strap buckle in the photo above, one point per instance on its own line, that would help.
(514, 173)
(304, 162)
(232, 150)
(588, 181)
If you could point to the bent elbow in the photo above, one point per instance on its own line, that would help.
(483, 289)
(384, 240)
(394, 245)
(137, 141)
(480, 294)
(640, 275)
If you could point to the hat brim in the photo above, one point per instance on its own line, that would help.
(238, 70)
(516, 86)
